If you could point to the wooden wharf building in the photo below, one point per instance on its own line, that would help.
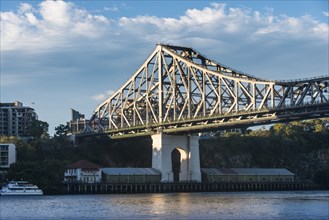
(147, 180)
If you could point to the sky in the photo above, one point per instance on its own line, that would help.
(58, 55)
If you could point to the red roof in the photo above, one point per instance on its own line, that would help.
(83, 164)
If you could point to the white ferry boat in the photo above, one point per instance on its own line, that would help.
(20, 188)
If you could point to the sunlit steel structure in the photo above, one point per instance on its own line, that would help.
(179, 90)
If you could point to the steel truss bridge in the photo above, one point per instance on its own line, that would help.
(179, 90)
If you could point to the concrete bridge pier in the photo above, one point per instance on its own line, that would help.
(177, 157)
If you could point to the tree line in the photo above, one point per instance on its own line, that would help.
(302, 147)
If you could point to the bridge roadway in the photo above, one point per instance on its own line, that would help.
(223, 121)
(180, 91)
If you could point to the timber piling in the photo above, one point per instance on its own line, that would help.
(102, 188)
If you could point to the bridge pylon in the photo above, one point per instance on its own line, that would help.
(176, 157)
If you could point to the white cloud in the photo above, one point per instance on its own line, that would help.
(52, 24)
(103, 96)
(113, 9)
(238, 36)
(56, 13)
(304, 27)
(218, 22)
(63, 24)
(325, 13)
(68, 52)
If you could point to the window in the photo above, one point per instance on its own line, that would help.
(4, 163)
(4, 155)
(4, 148)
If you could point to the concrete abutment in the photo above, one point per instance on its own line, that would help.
(188, 147)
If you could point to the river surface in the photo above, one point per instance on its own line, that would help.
(218, 205)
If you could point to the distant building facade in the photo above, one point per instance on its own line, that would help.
(247, 175)
(131, 175)
(16, 119)
(7, 155)
(77, 123)
(83, 171)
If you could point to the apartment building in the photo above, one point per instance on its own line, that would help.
(77, 123)
(16, 119)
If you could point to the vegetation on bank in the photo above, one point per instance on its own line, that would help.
(43, 161)
(301, 147)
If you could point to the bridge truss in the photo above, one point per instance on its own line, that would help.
(179, 90)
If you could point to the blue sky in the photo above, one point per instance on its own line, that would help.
(71, 54)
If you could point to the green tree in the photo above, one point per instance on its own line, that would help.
(61, 138)
(39, 129)
(47, 174)
(322, 177)
(259, 133)
(319, 126)
(11, 139)
(294, 129)
(61, 130)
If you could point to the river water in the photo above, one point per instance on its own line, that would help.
(219, 205)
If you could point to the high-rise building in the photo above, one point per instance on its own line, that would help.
(77, 123)
(16, 119)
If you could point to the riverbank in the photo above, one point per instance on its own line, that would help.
(81, 188)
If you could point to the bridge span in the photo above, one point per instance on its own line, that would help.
(178, 91)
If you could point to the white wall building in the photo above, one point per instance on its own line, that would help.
(7, 155)
(83, 171)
